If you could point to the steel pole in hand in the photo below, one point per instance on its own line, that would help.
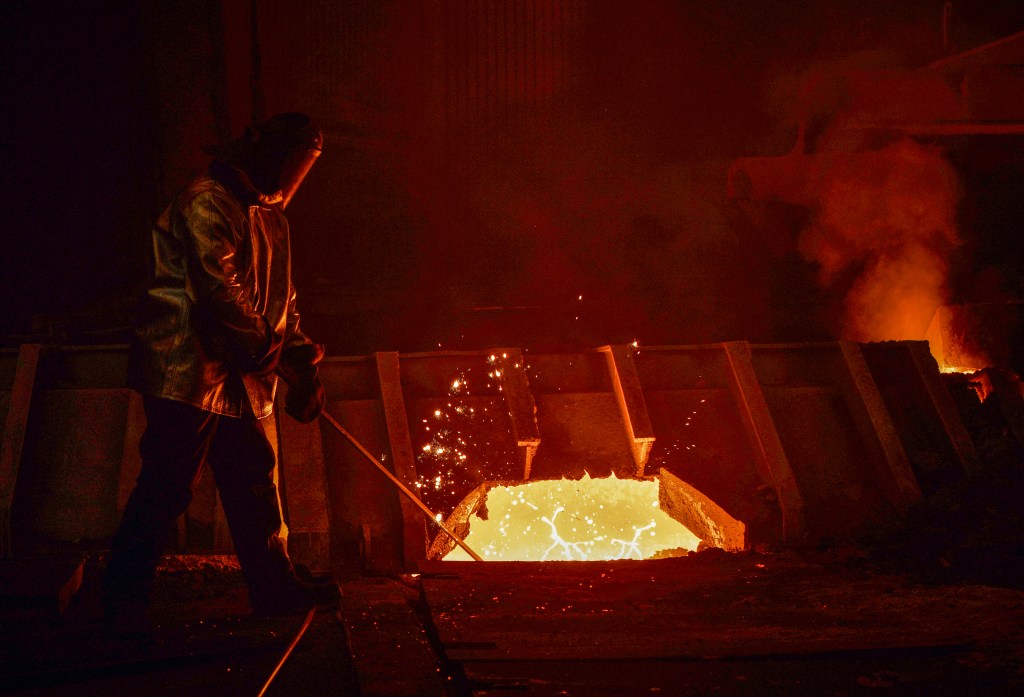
(397, 482)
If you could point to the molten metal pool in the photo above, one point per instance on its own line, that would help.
(574, 520)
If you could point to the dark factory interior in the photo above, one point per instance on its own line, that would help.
(753, 269)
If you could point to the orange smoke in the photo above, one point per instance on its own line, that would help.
(885, 229)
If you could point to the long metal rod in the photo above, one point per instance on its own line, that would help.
(288, 651)
(397, 482)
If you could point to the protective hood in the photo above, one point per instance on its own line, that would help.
(275, 155)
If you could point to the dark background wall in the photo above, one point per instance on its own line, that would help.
(539, 173)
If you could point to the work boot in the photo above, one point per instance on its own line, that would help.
(128, 621)
(294, 596)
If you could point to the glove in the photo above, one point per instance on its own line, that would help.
(298, 363)
(305, 399)
(298, 367)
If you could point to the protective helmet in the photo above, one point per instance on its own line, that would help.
(276, 154)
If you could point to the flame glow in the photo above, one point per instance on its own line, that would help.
(575, 520)
(952, 340)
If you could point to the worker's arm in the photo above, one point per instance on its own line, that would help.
(299, 367)
(213, 242)
(293, 335)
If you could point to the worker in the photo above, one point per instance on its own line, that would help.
(217, 325)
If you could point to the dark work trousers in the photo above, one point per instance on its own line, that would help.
(178, 439)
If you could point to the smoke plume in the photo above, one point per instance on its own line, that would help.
(883, 237)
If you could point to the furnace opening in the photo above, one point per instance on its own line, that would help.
(587, 519)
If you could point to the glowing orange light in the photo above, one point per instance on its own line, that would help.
(576, 520)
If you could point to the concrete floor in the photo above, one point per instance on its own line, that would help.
(831, 623)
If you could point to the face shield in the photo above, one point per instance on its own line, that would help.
(275, 155)
(295, 168)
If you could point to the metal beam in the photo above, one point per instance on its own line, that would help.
(630, 397)
(14, 438)
(414, 537)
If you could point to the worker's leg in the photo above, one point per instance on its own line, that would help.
(243, 461)
(173, 448)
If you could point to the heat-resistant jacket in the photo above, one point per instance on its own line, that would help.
(219, 296)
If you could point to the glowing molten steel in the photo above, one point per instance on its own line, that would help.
(575, 520)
